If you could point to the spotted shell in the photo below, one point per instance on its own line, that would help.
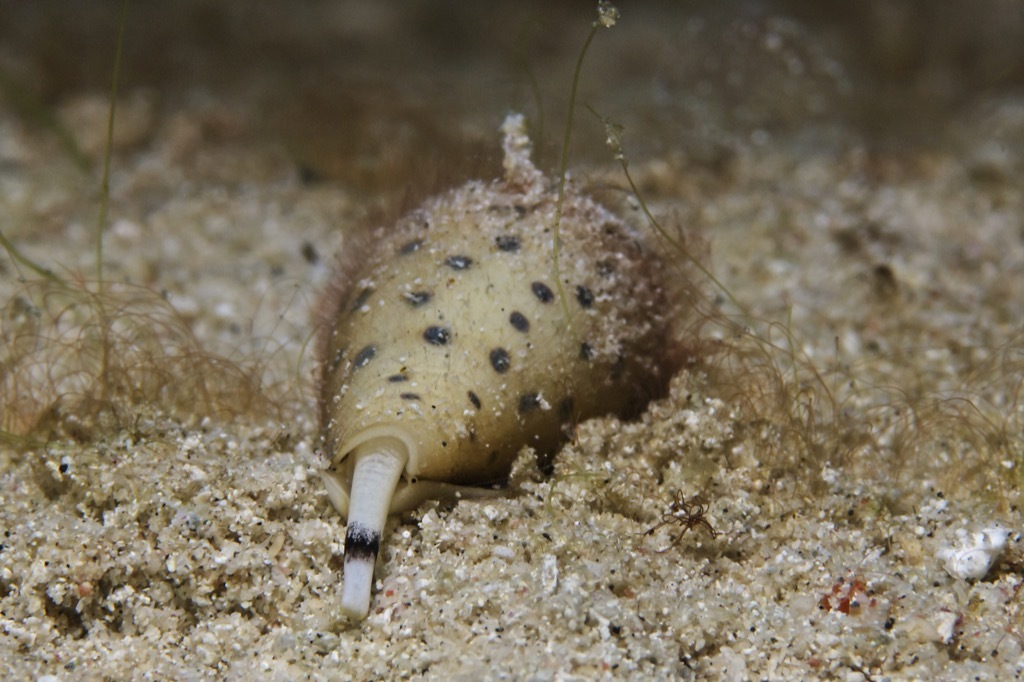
(448, 333)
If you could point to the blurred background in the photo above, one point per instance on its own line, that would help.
(361, 92)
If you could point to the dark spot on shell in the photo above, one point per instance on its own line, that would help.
(410, 247)
(586, 352)
(519, 321)
(542, 292)
(417, 298)
(364, 356)
(528, 402)
(458, 262)
(500, 360)
(309, 253)
(361, 299)
(520, 210)
(397, 378)
(585, 296)
(475, 399)
(410, 396)
(444, 444)
(507, 242)
(437, 336)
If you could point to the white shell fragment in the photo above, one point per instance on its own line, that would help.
(945, 625)
(975, 554)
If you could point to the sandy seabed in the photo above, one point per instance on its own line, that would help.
(878, 432)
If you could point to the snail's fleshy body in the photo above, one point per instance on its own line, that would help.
(447, 349)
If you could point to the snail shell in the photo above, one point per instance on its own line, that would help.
(447, 348)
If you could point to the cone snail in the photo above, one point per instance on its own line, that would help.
(446, 347)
